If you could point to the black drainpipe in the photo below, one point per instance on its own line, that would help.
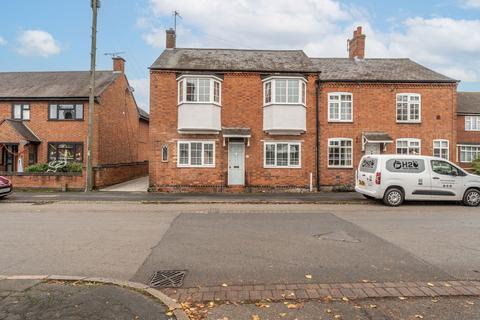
(317, 131)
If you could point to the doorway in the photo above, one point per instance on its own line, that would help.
(236, 163)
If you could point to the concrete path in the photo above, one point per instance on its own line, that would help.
(135, 185)
(48, 300)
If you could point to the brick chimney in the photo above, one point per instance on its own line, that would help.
(118, 64)
(171, 39)
(356, 45)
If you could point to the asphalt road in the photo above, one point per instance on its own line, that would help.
(241, 243)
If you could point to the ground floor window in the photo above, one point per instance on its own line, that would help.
(408, 146)
(441, 149)
(340, 153)
(282, 154)
(469, 153)
(196, 154)
(65, 151)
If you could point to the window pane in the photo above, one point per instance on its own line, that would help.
(304, 92)
(165, 153)
(183, 153)
(52, 152)
(208, 153)
(78, 152)
(203, 90)
(282, 154)
(180, 91)
(293, 91)
(294, 154)
(79, 111)
(53, 111)
(346, 111)
(270, 154)
(216, 92)
(26, 112)
(268, 92)
(191, 90)
(280, 91)
(17, 111)
(196, 153)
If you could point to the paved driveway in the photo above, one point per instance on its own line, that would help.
(135, 185)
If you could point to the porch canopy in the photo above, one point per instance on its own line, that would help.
(15, 132)
(375, 137)
(236, 133)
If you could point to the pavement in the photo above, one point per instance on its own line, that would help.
(135, 185)
(50, 299)
(182, 198)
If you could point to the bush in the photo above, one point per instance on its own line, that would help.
(43, 167)
(476, 166)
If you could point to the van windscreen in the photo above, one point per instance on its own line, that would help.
(368, 165)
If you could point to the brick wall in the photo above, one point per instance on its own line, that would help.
(106, 175)
(143, 141)
(55, 181)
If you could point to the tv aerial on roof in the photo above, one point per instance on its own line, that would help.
(114, 54)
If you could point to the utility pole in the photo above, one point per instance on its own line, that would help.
(95, 4)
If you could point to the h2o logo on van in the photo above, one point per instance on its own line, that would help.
(406, 165)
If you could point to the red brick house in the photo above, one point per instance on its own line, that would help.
(225, 119)
(43, 117)
(468, 124)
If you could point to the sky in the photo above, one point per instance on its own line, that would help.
(55, 34)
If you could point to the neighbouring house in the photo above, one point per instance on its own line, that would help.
(225, 119)
(43, 117)
(468, 122)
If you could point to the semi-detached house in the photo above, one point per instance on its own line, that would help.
(224, 119)
(468, 117)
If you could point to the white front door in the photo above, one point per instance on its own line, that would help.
(236, 163)
(372, 148)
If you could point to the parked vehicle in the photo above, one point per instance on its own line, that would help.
(396, 178)
(5, 187)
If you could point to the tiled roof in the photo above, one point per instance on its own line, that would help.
(377, 136)
(236, 132)
(63, 84)
(233, 60)
(143, 114)
(22, 129)
(468, 102)
(390, 70)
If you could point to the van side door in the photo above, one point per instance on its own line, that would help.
(447, 181)
(412, 175)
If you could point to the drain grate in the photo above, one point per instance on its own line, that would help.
(168, 278)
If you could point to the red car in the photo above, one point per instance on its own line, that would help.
(5, 187)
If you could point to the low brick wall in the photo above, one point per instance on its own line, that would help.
(109, 174)
(56, 181)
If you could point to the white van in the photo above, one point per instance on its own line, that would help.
(395, 178)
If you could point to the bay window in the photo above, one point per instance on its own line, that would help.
(199, 90)
(340, 152)
(196, 154)
(408, 146)
(284, 91)
(409, 107)
(340, 107)
(282, 155)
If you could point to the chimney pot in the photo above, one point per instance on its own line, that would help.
(356, 46)
(118, 64)
(171, 39)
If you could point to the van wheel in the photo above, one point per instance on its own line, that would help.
(471, 198)
(393, 197)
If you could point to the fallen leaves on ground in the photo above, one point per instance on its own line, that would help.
(402, 298)
(373, 306)
(418, 316)
(293, 306)
(282, 314)
(255, 317)
(262, 305)
(430, 284)
(224, 285)
(308, 276)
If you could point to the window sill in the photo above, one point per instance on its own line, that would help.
(340, 121)
(340, 167)
(199, 103)
(409, 122)
(284, 104)
(198, 167)
(67, 120)
(277, 167)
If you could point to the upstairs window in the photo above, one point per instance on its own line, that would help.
(408, 107)
(65, 112)
(340, 107)
(472, 123)
(21, 112)
(284, 91)
(199, 90)
(408, 146)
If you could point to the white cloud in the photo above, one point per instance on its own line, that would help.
(142, 89)
(2, 41)
(37, 43)
(321, 28)
(471, 3)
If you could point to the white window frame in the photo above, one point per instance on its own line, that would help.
(409, 141)
(409, 103)
(189, 165)
(328, 153)
(469, 123)
(182, 89)
(460, 146)
(289, 143)
(24, 109)
(302, 91)
(340, 94)
(441, 148)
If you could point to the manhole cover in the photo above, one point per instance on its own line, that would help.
(337, 236)
(168, 278)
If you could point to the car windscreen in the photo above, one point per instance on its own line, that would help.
(406, 165)
(368, 165)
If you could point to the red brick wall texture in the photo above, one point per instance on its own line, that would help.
(374, 109)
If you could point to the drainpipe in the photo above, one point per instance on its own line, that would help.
(317, 131)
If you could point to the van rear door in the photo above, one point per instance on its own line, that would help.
(366, 172)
